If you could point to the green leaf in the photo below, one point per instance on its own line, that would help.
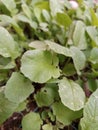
(3, 76)
(94, 56)
(92, 84)
(71, 94)
(58, 48)
(94, 17)
(35, 2)
(73, 52)
(26, 10)
(22, 106)
(63, 19)
(46, 15)
(47, 127)
(51, 116)
(46, 95)
(10, 5)
(8, 47)
(39, 7)
(55, 7)
(93, 34)
(18, 88)
(69, 69)
(31, 121)
(24, 19)
(6, 108)
(79, 37)
(65, 115)
(6, 63)
(90, 118)
(39, 66)
(76, 56)
(38, 45)
(6, 20)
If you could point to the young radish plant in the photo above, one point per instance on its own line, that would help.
(49, 64)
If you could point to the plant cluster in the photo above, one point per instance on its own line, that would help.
(49, 56)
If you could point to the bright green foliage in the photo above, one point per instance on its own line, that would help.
(39, 66)
(63, 19)
(90, 119)
(32, 121)
(18, 88)
(69, 91)
(94, 18)
(49, 63)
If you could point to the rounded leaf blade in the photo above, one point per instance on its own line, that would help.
(38, 66)
(18, 88)
(72, 95)
(31, 121)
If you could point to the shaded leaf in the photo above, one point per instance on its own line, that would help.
(6, 108)
(6, 63)
(46, 96)
(92, 84)
(69, 69)
(64, 114)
